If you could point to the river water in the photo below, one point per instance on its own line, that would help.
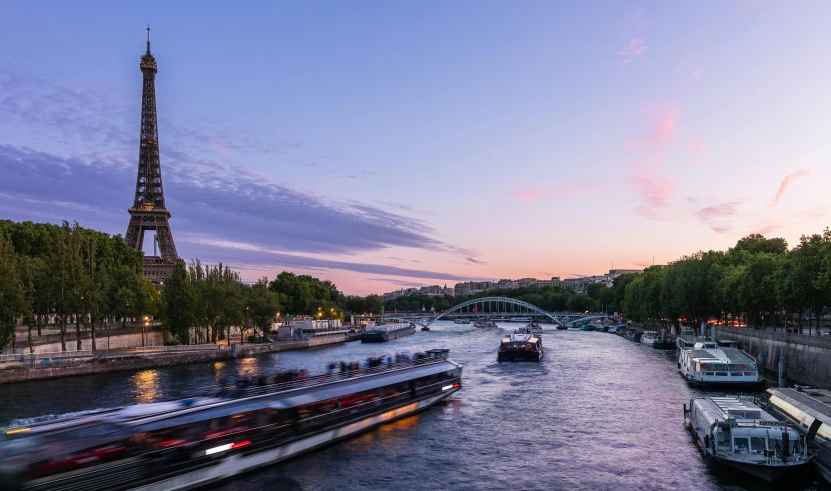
(599, 412)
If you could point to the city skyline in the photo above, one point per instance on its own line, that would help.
(385, 146)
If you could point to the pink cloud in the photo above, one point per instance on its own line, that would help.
(715, 215)
(696, 73)
(698, 147)
(635, 48)
(767, 227)
(787, 181)
(656, 193)
(527, 195)
(814, 214)
(218, 147)
(637, 15)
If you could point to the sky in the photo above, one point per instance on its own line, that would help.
(383, 145)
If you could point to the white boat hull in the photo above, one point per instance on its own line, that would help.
(237, 464)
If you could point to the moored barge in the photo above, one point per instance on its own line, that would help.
(710, 365)
(194, 442)
(387, 332)
(736, 432)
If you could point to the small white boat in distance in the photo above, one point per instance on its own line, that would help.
(649, 337)
(534, 328)
(462, 321)
(522, 319)
(736, 432)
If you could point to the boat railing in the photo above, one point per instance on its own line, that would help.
(314, 380)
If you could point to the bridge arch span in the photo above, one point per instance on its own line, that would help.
(504, 300)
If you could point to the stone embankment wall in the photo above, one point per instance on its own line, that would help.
(120, 341)
(179, 358)
(808, 357)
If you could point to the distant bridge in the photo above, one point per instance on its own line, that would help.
(498, 306)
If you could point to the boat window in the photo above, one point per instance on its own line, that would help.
(741, 444)
(757, 444)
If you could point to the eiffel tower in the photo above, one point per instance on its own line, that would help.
(149, 211)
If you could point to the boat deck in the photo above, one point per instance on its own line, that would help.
(731, 355)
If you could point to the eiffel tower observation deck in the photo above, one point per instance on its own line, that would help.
(149, 211)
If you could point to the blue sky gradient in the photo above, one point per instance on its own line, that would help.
(381, 144)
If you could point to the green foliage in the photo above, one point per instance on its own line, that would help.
(262, 305)
(757, 278)
(66, 270)
(307, 295)
(12, 293)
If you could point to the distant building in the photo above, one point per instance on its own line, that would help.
(614, 273)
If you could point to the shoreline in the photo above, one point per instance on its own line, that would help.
(16, 375)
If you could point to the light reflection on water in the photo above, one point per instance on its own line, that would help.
(146, 386)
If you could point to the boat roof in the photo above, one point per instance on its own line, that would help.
(814, 402)
(719, 355)
(742, 409)
(520, 338)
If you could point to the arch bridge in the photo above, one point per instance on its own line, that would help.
(483, 306)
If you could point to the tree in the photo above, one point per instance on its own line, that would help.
(375, 305)
(262, 305)
(177, 299)
(12, 298)
(31, 274)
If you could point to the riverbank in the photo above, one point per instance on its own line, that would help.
(100, 362)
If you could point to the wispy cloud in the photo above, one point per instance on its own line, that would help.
(766, 227)
(634, 49)
(206, 197)
(698, 147)
(787, 181)
(397, 282)
(527, 195)
(654, 191)
(717, 216)
(476, 261)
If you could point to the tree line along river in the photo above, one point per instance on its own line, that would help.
(599, 412)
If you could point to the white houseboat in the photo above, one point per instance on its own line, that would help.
(708, 364)
(737, 432)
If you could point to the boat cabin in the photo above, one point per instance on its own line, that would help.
(707, 363)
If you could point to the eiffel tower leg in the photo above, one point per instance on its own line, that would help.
(135, 233)
(167, 249)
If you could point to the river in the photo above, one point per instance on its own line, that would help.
(599, 412)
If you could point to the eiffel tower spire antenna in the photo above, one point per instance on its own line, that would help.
(149, 211)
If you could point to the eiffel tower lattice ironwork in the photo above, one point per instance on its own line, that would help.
(149, 211)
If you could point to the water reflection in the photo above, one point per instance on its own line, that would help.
(248, 366)
(146, 386)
